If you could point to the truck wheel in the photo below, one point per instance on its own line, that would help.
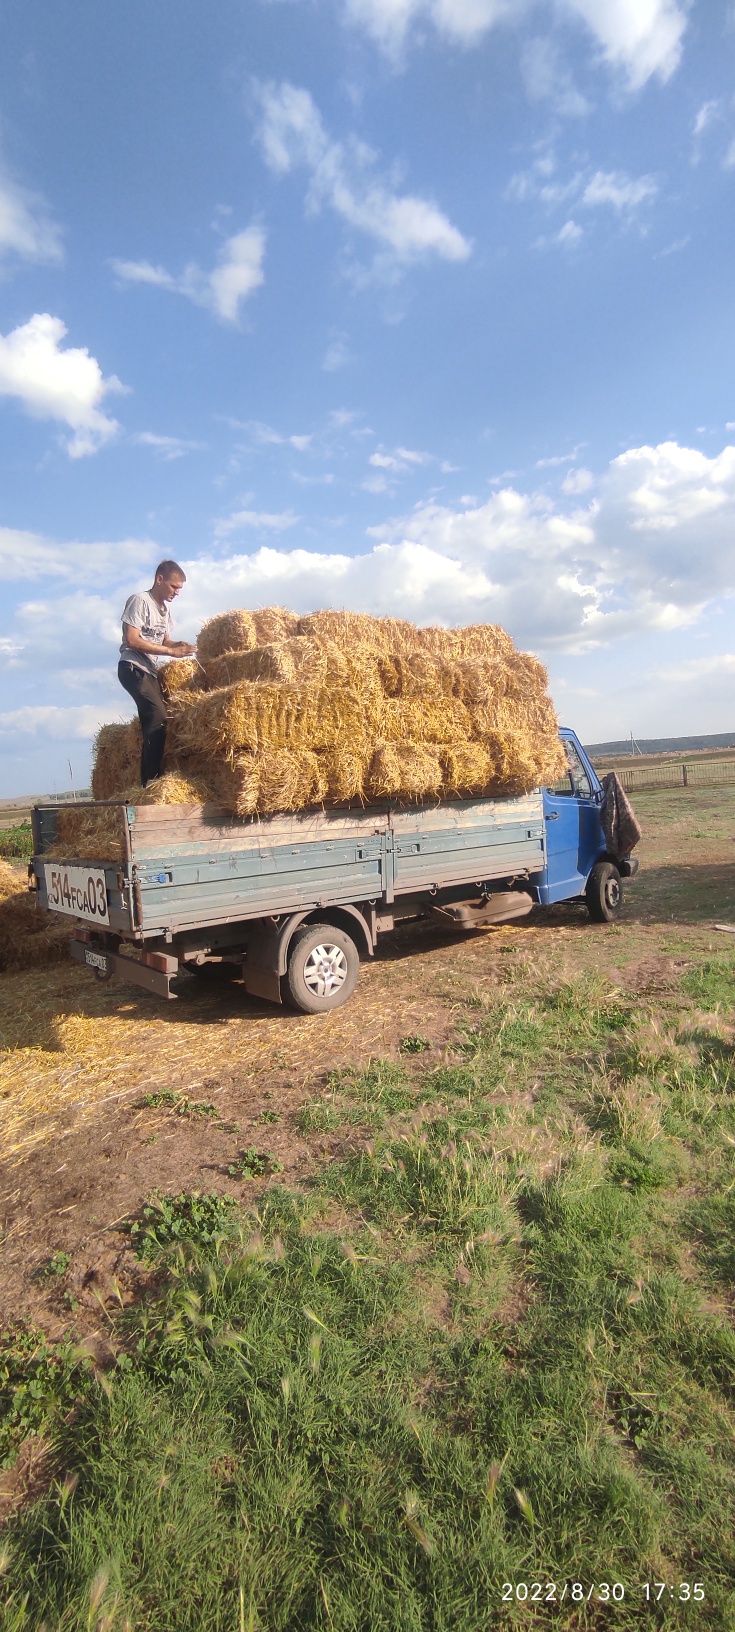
(604, 893)
(323, 968)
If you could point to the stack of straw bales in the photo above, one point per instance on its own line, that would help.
(283, 713)
(28, 938)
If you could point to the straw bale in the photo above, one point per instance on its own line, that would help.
(474, 640)
(274, 623)
(250, 715)
(339, 707)
(181, 675)
(345, 769)
(28, 938)
(279, 662)
(228, 632)
(424, 719)
(418, 674)
(467, 768)
(269, 780)
(289, 779)
(115, 758)
(350, 629)
(403, 770)
(235, 783)
(305, 660)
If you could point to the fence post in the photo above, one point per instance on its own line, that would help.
(684, 776)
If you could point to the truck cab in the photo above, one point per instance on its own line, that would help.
(578, 862)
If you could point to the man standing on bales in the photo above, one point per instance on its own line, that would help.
(147, 627)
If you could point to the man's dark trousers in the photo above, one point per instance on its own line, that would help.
(145, 690)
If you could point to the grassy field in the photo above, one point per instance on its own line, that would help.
(417, 1320)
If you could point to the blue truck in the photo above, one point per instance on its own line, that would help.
(292, 903)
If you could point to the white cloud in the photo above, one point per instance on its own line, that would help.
(547, 79)
(237, 275)
(620, 191)
(673, 248)
(554, 460)
(644, 559)
(49, 720)
(705, 116)
(648, 555)
(343, 177)
(53, 382)
(719, 666)
(638, 38)
(641, 38)
(10, 650)
(265, 436)
(412, 456)
(260, 520)
(402, 459)
(166, 447)
(326, 480)
(25, 555)
(27, 229)
(144, 272)
(337, 355)
(386, 461)
(568, 237)
(582, 190)
(570, 234)
(239, 272)
(577, 481)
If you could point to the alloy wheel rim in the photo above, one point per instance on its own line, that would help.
(325, 970)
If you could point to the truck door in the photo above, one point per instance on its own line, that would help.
(574, 838)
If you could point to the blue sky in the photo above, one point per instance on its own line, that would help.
(412, 306)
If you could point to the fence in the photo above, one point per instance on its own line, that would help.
(687, 774)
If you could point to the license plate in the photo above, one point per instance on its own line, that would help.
(80, 892)
(96, 960)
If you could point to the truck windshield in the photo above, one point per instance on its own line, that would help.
(574, 783)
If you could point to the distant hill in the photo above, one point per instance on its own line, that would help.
(663, 745)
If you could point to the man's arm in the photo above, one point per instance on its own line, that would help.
(138, 643)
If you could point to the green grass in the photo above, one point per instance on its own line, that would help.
(507, 1363)
(53, 1268)
(712, 982)
(166, 1221)
(254, 1164)
(167, 1100)
(16, 843)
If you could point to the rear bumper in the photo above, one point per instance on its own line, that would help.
(151, 976)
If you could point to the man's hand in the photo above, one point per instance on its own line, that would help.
(182, 648)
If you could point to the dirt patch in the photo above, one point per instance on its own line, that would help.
(28, 1478)
(81, 1153)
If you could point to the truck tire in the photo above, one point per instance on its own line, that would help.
(604, 893)
(323, 968)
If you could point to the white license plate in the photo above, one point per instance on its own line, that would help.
(78, 891)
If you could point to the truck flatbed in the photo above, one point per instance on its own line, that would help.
(185, 885)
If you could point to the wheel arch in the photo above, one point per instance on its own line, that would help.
(349, 919)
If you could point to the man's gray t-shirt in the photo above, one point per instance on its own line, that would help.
(154, 623)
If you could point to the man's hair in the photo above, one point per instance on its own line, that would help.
(165, 569)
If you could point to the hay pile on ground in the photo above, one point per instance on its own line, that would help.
(284, 713)
(28, 938)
